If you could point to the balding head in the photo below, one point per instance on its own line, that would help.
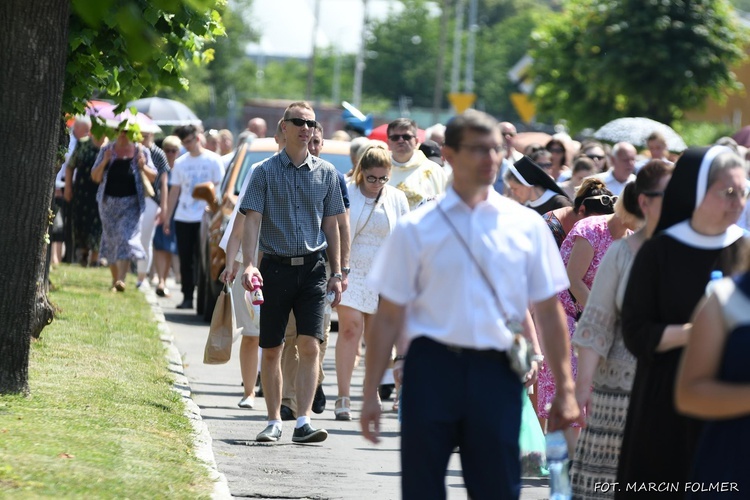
(257, 126)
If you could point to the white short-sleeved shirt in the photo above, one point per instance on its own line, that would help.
(613, 184)
(424, 267)
(187, 172)
(230, 225)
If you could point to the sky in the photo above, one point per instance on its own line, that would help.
(287, 25)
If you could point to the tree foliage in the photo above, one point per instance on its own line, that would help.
(402, 55)
(603, 59)
(230, 74)
(126, 48)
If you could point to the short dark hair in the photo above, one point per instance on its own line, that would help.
(402, 123)
(319, 127)
(185, 131)
(471, 119)
(296, 104)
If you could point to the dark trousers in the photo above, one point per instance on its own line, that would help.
(482, 417)
(188, 238)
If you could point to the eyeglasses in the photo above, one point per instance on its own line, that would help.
(545, 165)
(372, 179)
(556, 150)
(595, 157)
(481, 150)
(299, 122)
(396, 137)
(732, 193)
(604, 199)
(170, 150)
(653, 194)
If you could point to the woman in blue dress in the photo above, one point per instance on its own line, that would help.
(713, 384)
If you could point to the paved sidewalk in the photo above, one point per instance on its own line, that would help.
(345, 466)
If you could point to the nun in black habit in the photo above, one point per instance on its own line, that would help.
(531, 186)
(696, 235)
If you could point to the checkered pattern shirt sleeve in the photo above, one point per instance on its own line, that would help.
(293, 201)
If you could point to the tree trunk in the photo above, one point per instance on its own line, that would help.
(34, 37)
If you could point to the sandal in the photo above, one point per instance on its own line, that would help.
(341, 408)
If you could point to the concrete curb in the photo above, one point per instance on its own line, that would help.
(202, 439)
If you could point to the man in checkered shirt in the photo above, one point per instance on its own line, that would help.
(297, 197)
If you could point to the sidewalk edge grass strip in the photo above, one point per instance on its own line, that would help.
(102, 419)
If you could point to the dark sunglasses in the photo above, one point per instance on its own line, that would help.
(604, 199)
(653, 194)
(595, 157)
(299, 122)
(545, 165)
(556, 150)
(372, 179)
(405, 137)
(170, 150)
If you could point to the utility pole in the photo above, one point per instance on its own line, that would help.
(470, 48)
(437, 97)
(456, 68)
(311, 64)
(359, 64)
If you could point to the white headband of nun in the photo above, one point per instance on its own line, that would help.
(708, 159)
(518, 175)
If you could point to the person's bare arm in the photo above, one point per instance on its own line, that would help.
(331, 230)
(529, 331)
(581, 256)
(174, 195)
(387, 327)
(553, 326)
(231, 266)
(250, 233)
(164, 199)
(345, 242)
(698, 391)
(68, 192)
(588, 360)
(97, 173)
(674, 336)
(145, 167)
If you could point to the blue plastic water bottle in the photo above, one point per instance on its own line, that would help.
(715, 276)
(557, 463)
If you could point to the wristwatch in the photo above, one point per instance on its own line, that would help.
(337, 275)
(346, 270)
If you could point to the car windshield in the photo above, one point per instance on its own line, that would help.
(340, 161)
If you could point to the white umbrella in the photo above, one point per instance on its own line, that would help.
(636, 131)
(166, 111)
(145, 123)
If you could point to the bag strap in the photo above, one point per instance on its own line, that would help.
(506, 319)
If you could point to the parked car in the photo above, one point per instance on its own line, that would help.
(221, 204)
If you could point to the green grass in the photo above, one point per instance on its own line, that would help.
(101, 420)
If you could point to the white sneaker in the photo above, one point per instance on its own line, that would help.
(248, 402)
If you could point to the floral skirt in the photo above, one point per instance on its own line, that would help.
(121, 229)
(598, 447)
(546, 381)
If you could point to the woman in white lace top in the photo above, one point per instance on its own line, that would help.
(604, 363)
(375, 208)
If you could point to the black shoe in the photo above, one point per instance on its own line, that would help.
(319, 401)
(287, 413)
(385, 390)
(186, 304)
(270, 434)
(307, 434)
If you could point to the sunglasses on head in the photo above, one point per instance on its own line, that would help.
(396, 137)
(604, 199)
(299, 122)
